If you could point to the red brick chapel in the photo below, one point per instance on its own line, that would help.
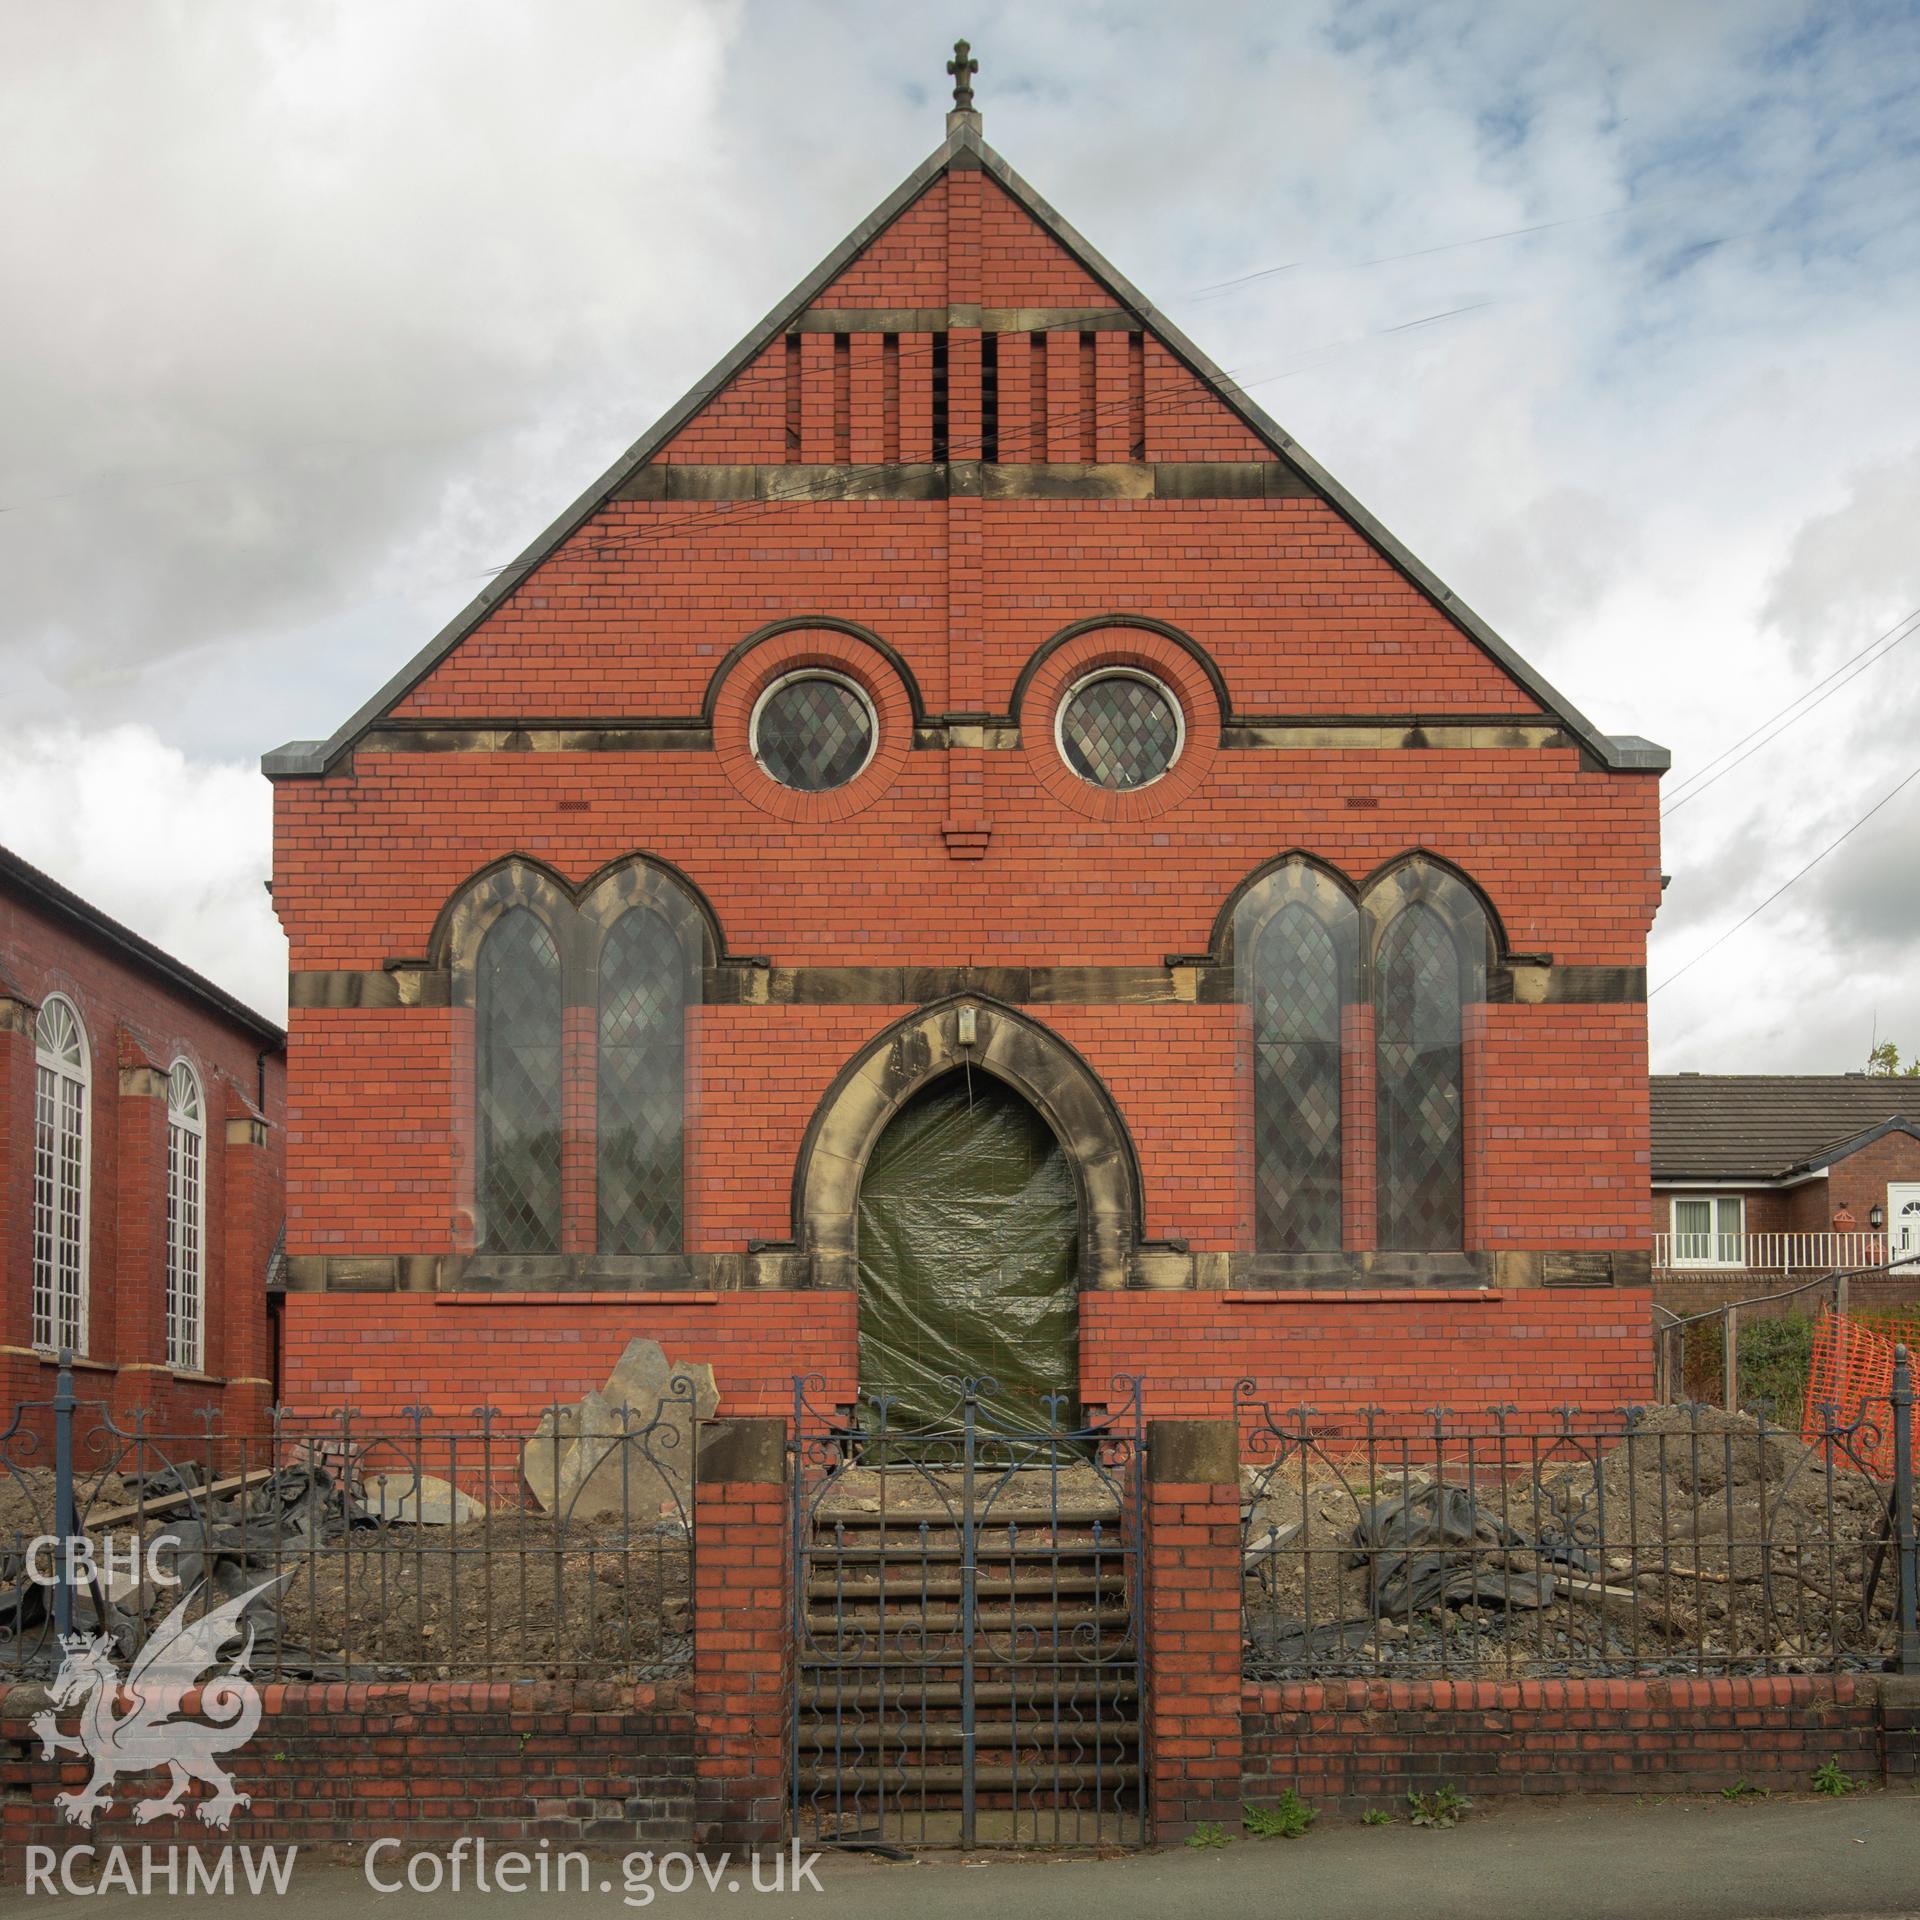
(967, 851)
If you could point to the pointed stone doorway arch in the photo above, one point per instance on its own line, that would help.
(967, 1032)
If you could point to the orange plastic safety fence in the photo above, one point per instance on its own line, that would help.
(1852, 1370)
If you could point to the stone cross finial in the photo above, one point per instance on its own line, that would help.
(963, 69)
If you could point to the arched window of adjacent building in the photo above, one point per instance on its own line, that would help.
(517, 1078)
(641, 1072)
(1295, 941)
(1429, 964)
(61, 1164)
(186, 1220)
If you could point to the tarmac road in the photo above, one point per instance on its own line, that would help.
(1678, 1860)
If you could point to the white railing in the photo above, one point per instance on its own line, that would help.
(1766, 1252)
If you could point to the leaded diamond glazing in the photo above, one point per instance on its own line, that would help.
(642, 1080)
(1422, 1198)
(1120, 730)
(813, 733)
(517, 1087)
(1296, 1085)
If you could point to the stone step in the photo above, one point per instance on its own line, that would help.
(1038, 1582)
(917, 1825)
(895, 1784)
(825, 1668)
(998, 1514)
(911, 1627)
(1028, 1735)
(943, 1695)
(907, 1543)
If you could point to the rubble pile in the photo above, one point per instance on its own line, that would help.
(1698, 1541)
(577, 1563)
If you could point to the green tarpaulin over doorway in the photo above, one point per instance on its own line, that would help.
(969, 1241)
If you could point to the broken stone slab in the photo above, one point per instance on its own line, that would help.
(641, 1473)
(420, 1500)
(642, 1380)
(626, 1451)
(544, 1460)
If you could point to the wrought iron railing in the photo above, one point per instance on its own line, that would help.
(424, 1549)
(1674, 1540)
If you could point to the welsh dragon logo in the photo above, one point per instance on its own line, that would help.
(150, 1731)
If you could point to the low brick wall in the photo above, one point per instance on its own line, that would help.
(1363, 1743)
(336, 1765)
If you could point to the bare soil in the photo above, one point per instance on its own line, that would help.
(513, 1596)
(1695, 1544)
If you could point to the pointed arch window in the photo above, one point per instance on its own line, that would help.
(1429, 965)
(186, 1220)
(1296, 938)
(61, 1169)
(642, 1077)
(517, 1081)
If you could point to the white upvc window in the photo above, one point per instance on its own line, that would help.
(1709, 1230)
(186, 1221)
(62, 1166)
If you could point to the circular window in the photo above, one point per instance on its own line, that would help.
(813, 731)
(1119, 728)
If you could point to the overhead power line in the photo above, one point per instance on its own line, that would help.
(1807, 701)
(1754, 913)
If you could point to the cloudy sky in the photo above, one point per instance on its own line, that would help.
(316, 312)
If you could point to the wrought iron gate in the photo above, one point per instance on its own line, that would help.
(967, 1621)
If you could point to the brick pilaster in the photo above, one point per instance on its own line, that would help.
(1113, 426)
(742, 1630)
(1193, 1737)
(137, 1326)
(238, 1332)
(1066, 409)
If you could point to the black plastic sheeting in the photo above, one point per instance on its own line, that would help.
(969, 1257)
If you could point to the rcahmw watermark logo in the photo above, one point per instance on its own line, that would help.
(135, 1723)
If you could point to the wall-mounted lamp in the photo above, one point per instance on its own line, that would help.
(1876, 1216)
(969, 1030)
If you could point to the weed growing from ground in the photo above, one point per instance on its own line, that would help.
(1287, 1819)
(1441, 1808)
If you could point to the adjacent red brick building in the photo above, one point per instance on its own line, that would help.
(967, 735)
(141, 1168)
(1764, 1180)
